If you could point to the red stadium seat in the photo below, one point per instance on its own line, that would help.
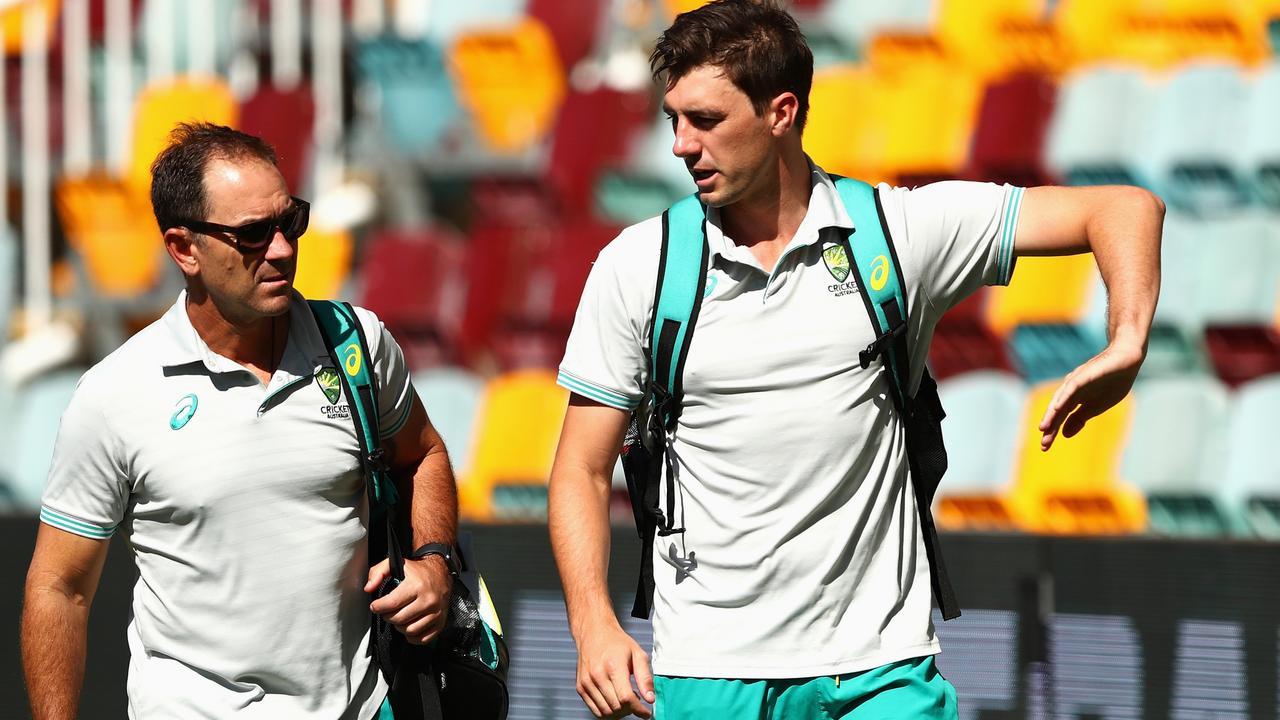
(592, 133)
(1241, 353)
(413, 280)
(962, 342)
(572, 24)
(1013, 121)
(285, 119)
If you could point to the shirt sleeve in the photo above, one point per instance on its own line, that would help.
(87, 493)
(604, 359)
(391, 375)
(957, 235)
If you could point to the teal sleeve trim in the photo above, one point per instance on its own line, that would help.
(74, 525)
(1008, 232)
(398, 424)
(595, 392)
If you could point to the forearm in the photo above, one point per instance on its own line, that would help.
(54, 630)
(432, 498)
(578, 519)
(1124, 236)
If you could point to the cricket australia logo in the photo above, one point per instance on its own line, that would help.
(331, 385)
(837, 262)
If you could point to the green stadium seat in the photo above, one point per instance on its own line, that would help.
(1249, 473)
(1174, 448)
(1098, 127)
(447, 20)
(1197, 123)
(451, 397)
(416, 102)
(982, 429)
(1238, 267)
(38, 407)
(1260, 150)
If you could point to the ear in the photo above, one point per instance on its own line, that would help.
(182, 247)
(783, 110)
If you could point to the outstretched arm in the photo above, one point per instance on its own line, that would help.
(578, 514)
(61, 582)
(1121, 226)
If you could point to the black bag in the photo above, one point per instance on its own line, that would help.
(462, 673)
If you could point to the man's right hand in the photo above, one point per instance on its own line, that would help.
(608, 658)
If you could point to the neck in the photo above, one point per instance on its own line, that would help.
(776, 208)
(255, 342)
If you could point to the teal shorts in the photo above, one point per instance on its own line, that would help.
(907, 690)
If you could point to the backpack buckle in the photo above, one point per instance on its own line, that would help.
(876, 348)
(377, 461)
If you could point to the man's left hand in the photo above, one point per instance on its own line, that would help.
(1090, 390)
(418, 606)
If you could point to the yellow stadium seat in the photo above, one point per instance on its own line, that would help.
(675, 7)
(1074, 488)
(159, 108)
(517, 431)
(843, 134)
(115, 233)
(13, 22)
(1163, 33)
(976, 32)
(324, 262)
(511, 82)
(1044, 290)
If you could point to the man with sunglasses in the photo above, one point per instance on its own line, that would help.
(217, 440)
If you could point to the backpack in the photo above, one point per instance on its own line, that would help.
(463, 672)
(681, 283)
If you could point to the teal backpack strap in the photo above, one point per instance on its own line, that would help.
(349, 352)
(884, 293)
(677, 300)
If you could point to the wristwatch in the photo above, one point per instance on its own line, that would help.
(444, 550)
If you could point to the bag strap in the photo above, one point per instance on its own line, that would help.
(681, 281)
(880, 283)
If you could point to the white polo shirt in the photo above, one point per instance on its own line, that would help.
(802, 554)
(246, 511)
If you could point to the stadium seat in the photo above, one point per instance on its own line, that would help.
(1174, 453)
(324, 261)
(982, 431)
(517, 431)
(1249, 478)
(857, 21)
(649, 180)
(451, 397)
(447, 20)
(1237, 264)
(845, 133)
(573, 25)
(973, 32)
(592, 132)
(413, 280)
(1043, 290)
(1009, 138)
(284, 118)
(1196, 126)
(511, 81)
(160, 107)
(38, 407)
(1049, 350)
(1161, 34)
(963, 342)
(112, 229)
(1099, 126)
(1259, 153)
(1241, 353)
(1074, 488)
(417, 106)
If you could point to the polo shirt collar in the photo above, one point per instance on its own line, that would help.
(825, 210)
(304, 354)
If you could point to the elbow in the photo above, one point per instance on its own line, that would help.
(1147, 201)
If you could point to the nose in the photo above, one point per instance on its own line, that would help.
(281, 248)
(686, 143)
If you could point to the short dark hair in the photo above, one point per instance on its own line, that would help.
(757, 44)
(177, 175)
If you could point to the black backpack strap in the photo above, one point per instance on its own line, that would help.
(677, 300)
(874, 260)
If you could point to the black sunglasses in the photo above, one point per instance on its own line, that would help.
(256, 235)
